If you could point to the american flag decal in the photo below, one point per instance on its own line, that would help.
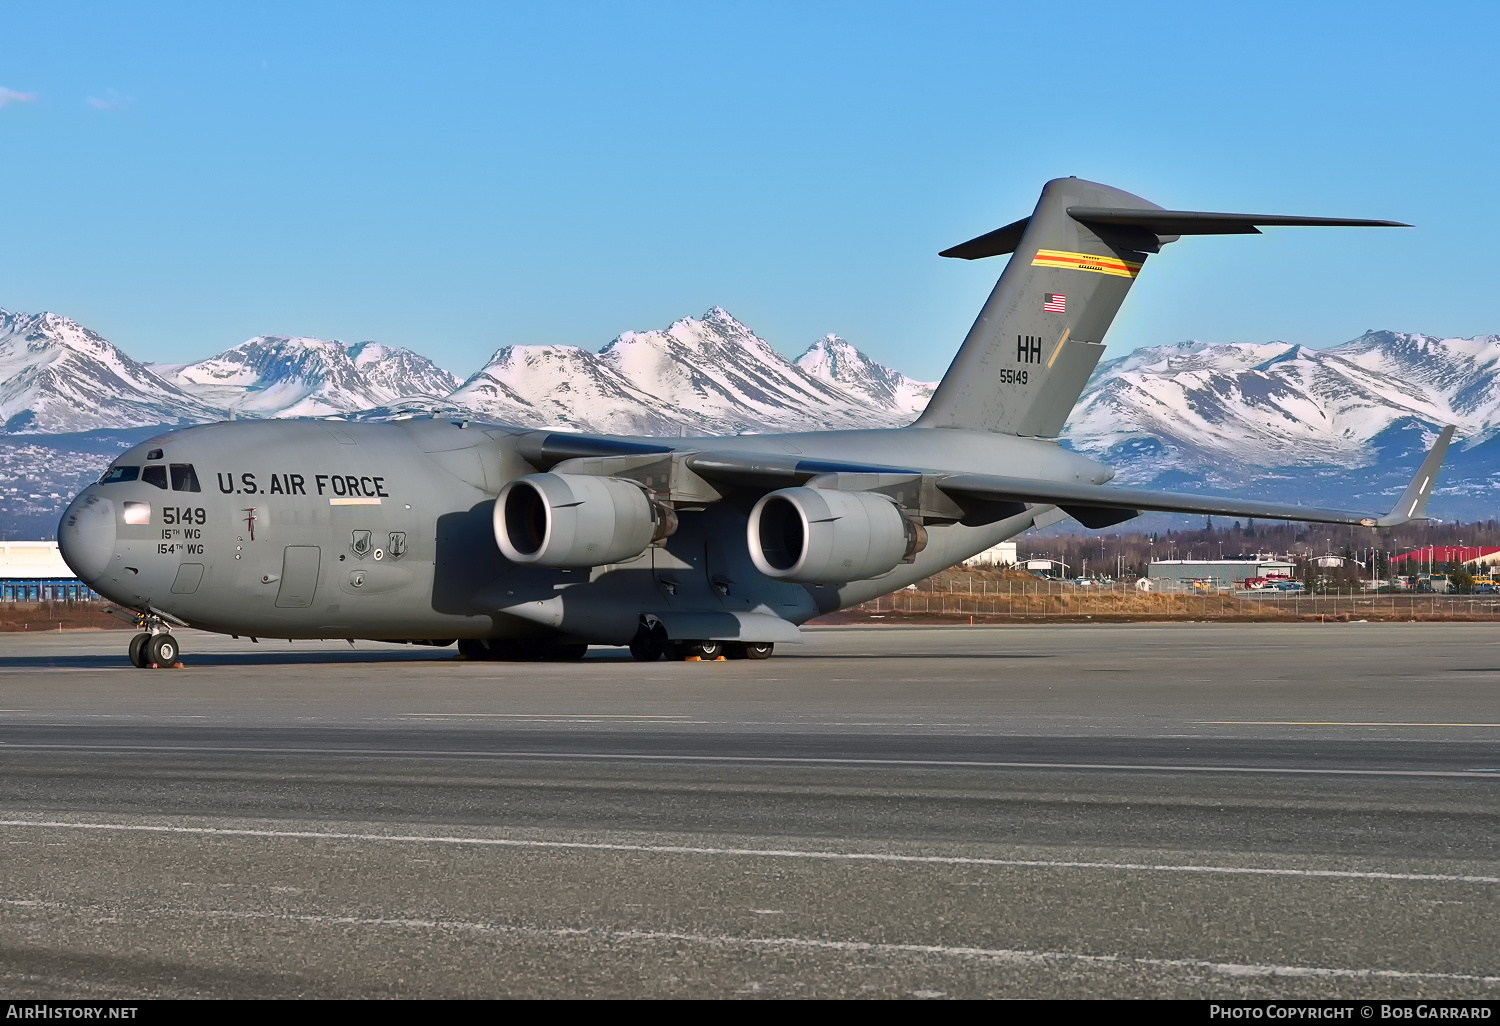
(1055, 302)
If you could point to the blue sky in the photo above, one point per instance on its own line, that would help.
(455, 178)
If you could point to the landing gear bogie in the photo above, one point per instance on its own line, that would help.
(154, 647)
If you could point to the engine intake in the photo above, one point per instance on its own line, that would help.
(575, 520)
(822, 536)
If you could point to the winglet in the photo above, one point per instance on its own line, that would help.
(1413, 502)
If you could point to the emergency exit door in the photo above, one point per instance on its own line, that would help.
(299, 576)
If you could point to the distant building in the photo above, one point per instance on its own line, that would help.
(1331, 562)
(1003, 554)
(34, 571)
(1045, 566)
(1217, 573)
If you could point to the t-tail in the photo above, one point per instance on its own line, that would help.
(1041, 333)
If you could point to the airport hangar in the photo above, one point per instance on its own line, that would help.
(34, 571)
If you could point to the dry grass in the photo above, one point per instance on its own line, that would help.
(991, 596)
(52, 616)
(987, 596)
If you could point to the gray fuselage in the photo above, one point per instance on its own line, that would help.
(316, 529)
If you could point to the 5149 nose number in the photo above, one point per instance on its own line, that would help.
(184, 515)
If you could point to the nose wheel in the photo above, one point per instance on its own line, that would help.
(154, 651)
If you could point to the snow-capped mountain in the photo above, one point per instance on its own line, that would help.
(1344, 426)
(835, 361)
(717, 370)
(1231, 417)
(698, 375)
(565, 386)
(281, 376)
(395, 375)
(1233, 406)
(57, 376)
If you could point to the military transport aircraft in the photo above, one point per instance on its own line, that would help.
(522, 544)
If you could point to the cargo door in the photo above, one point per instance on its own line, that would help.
(299, 576)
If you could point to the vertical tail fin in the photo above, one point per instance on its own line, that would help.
(1041, 333)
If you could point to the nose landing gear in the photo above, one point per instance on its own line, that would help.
(154, 647)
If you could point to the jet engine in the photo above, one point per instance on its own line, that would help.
(574, 520)
(822, 536)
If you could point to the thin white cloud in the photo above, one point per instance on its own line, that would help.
(111, 100)
(9, 96)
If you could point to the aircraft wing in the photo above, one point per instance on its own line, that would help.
(1094, 506)
(1091, 504)
(1107, 499)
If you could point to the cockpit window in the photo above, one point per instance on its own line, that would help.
(184, 478)
(156, 475)
(116, 475)
(154, 454)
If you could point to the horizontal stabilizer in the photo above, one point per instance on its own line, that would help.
(1197, 222)
(1168, 224)
(1001, 240)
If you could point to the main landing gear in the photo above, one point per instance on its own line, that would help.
(651, 643)
(154, 648)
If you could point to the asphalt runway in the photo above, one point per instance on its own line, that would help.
(1184, 810)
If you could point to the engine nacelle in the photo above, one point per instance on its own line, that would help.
(822, 536)
(575, 520)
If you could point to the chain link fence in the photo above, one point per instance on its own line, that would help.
(960, 594)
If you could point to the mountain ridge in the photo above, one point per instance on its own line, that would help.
(1223, 416)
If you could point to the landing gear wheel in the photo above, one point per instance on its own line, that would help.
(161, 651)
(650, 643)
(138, 651)
(758, 650)
(473, 648)
(705, 650)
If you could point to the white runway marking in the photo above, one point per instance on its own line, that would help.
(545, 717)
(776, 759)
(776, 853)
(1332, 723)
(999, 955)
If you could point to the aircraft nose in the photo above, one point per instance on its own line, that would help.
(86, 536)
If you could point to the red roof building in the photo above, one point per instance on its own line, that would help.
(1437, 555)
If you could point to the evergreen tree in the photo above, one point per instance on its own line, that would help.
(1310, 575)
(1459, 578)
